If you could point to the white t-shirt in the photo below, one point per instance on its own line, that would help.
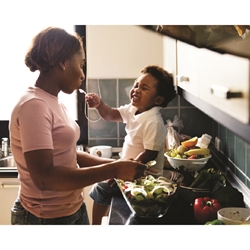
(144, 131)
(41, 121)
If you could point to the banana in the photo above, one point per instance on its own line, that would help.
(198, 151)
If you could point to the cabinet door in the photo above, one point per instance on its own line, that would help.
(224, 83)
(170, 56)
(187, 60)
(8, 193)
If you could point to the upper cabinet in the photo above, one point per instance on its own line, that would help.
(169, 58)
(187, 67)
(224, 83)
(222, 80)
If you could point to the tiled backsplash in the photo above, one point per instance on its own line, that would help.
(235, 152)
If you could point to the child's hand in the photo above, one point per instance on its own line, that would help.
(93, 100)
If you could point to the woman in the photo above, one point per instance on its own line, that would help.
(43, 138)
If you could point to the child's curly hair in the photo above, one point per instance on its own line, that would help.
(165, 85)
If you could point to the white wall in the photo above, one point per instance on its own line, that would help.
(15, 77)
(121, 51)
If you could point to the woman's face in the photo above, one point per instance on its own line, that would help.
(73, 73)
(144, 93)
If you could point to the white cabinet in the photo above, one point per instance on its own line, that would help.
(187, 67)
(169, 45)
(8, 194)
(222, 80)
(224, 83)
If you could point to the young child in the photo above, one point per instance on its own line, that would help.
(146, 133)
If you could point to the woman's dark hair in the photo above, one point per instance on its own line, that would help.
(165, 84)
(50, 47)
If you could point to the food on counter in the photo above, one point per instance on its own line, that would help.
(215, 222)
(205, 209)
(209, 179)
(148, 188)
(148, 196)
(190, 143)
(198, 151)
(182, 149)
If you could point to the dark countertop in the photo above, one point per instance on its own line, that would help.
(8, 172)
(180, 212)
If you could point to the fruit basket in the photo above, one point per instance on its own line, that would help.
(188, 164)
(150, 197)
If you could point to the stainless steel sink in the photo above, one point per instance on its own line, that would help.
(7, 162)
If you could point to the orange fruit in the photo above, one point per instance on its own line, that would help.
(190, 143)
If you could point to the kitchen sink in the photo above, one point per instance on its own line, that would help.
(7, 162)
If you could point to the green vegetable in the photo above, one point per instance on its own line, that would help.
(209, 179)
(229, 196)
(215, 222)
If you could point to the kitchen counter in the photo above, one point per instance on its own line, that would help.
(6, 172)
(180, 212)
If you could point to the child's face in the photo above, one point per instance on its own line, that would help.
(144, 93)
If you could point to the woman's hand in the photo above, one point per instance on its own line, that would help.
(93, 100)
(129, 170)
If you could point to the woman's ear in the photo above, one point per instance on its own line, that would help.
(159, 100)
(62, 65)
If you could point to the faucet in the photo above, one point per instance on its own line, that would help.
(5, 147)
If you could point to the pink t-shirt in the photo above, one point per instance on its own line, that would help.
(41, 121)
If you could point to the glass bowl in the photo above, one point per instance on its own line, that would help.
(150, 197)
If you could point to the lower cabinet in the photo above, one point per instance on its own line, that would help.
(8, 193)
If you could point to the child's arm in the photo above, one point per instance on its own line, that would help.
(146, 155)
(104, 110)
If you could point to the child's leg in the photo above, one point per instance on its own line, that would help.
(102, 193)
(98, 212)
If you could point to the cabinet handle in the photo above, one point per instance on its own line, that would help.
(182, 78)
(224, 92)
(9, 185)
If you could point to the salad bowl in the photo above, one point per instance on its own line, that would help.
(150, 197)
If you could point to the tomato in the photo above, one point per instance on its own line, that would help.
(192, 157)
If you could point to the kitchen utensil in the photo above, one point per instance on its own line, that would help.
(82, 91)
(234, 215)
(101, 151)
(190, 164)
(150, 164)
(156, 193)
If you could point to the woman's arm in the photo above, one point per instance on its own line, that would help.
(85, 159)
(46, 176)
